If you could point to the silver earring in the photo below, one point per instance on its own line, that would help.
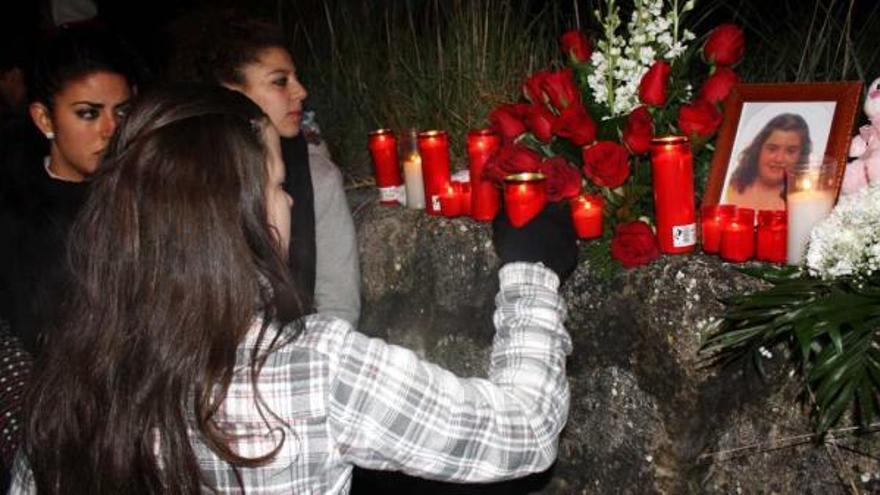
(50, 135)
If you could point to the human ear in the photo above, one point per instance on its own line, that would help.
(42, 118)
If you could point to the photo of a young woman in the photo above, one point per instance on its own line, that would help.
(758, 181)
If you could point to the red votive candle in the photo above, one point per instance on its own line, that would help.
(772, 235)
(434, 149)
(485, 196)
(713, 218)
(465, 192)
(383, 149)
(524, 197)
(673, 177)
(738, 236)
(450, 201)
(586, 214)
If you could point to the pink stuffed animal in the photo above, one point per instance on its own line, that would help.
(865, 147)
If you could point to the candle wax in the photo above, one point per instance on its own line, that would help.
(805, 210)
(415, 186)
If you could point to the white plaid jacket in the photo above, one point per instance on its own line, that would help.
(338, 398)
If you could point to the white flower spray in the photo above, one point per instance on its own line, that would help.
(619, 63)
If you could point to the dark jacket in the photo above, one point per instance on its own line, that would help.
(36, 213)
(298, 183)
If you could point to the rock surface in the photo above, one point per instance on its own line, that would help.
(646, 415)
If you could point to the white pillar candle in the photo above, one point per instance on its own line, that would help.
(805, 210)
(415, 186)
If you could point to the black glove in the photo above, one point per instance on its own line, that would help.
(548, 238)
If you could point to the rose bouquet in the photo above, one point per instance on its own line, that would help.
(588, 126)
(825, 316)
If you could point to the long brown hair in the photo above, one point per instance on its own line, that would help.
(172, 259)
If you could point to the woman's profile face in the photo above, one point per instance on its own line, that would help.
(272, 84)
(781, 150)
(83, 118)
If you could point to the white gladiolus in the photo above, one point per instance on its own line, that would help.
(619, 63)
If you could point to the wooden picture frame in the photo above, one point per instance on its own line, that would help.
(752, 111)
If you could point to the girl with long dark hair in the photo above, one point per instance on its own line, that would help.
(251, 56)
(184, 363)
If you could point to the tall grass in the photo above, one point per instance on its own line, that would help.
(809, 40)
(430, 64)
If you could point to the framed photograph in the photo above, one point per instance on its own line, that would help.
(770, 127)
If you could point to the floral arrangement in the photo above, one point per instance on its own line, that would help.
(588, 126)
(826, 315)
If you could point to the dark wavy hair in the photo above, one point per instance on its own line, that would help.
(76, 52)
(214, 47)
(172, 260)
(747, 170)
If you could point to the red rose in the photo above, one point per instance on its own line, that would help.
(606, 163)
(532, 87)
(634, 244)
(576, 45)
(719, 84)
(560, 89)
(507, 120)
(638, 131)
(652, 88)
(725, 45)
(699, 118)
(575, 125)
(511, 159)
(563, 179)
(540, 122)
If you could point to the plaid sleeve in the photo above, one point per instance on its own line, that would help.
(390, 410)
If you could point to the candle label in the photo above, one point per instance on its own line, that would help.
(684, 235)
(435, 202)
(393, 194)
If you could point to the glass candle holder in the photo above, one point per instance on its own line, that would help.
(772, 234)
(383, 149)
(586, 214)
(434, 149)
(450, 200)
(485, 196)
(673, 181)
(713, 218)
(738, 236)
(524, 197)
(412, 171)
(809, 196)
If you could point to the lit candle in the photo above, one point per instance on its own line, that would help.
(485, 196)
(771, 236)
(805, 210)
(524, 197)
(738, 236)
(434, 149)
(712, 220)
(673, 178)
(810, 193)
(383, 148)
(415, 186)
(586, 213)
(450, 200)
(465, 192)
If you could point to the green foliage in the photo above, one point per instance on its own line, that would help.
(831, 329)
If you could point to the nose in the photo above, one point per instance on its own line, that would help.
(289, 200)
(107, 125)
(298, 92)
